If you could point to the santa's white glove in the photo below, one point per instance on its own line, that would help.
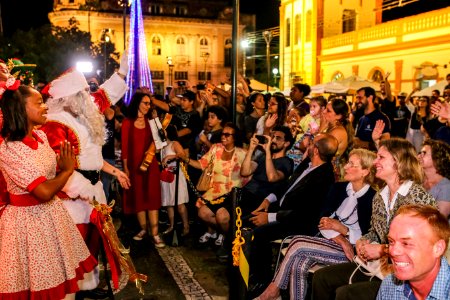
(123, 69)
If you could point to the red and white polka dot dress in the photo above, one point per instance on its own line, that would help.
(42, 254)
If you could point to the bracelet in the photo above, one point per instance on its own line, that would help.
(386, 248)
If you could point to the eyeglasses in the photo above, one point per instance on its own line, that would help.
(277, 138)
(352, 164)
(272, 103)
(226, 134)
(146, 103)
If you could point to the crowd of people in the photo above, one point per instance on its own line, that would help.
(365, 178)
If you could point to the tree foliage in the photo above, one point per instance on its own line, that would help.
(55, 49)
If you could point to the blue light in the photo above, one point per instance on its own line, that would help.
(139, 74)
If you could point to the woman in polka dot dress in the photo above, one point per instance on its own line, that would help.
(42, 254)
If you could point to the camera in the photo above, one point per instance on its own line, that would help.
(261, 139)
(93, 87)
(201, 87)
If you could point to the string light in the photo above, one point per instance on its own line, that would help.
(139, 74)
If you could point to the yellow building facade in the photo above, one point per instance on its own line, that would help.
(326, 40)
(180, 47)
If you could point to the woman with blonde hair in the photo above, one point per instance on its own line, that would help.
(397, 165)
(350, 206)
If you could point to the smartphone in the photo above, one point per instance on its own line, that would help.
(261, 139)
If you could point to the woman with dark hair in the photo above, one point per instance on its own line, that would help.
(43, 255)
(227, 158)
(420, 116)
(276, 115)
(338, 125)
(144, 196)
(397, 165)
(435, 161)
(255, 109)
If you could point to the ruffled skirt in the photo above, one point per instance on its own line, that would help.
(42, 254)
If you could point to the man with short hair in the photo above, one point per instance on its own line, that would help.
(366, 124)
(400, 120)
(296, 210)
(418, 238)
(298, 93)
(269, 171)
(186, 118)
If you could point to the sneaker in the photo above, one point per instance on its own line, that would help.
(206, 237)
(158, 242)
(219, 240)
(140, 235)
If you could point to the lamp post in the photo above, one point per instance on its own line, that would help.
(244, 45)
(106, 40)
(268, 37)
(205, 59)
(170, 64)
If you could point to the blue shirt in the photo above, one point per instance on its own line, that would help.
(367, 122)
(394, 289)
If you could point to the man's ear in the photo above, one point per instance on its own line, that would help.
(439, 248)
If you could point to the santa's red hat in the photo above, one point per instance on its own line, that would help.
(70, 82)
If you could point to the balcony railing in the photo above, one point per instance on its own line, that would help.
(427, 21)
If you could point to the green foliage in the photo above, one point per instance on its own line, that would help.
(55, 49)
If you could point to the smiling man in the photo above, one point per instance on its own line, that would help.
(418, 238)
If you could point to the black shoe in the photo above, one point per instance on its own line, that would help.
(96, 293)
(222, 253)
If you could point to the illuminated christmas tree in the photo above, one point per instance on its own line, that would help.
(139, 74)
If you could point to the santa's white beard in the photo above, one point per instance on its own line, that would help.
(81, 106)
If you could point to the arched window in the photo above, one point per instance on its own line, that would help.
(156, 45)
(203, 42)
(180, 41)
(376, 74)
(181, 45)
(297, 29)
(288, 32)
(337, 76)
(308, 28)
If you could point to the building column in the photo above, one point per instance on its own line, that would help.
(355, 70)
(398, 75)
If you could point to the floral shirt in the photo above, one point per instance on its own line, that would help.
(226, 174)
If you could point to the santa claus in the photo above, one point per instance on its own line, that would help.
(75, 115)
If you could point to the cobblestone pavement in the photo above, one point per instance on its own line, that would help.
(184, 272)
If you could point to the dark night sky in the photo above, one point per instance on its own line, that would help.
(25, 14)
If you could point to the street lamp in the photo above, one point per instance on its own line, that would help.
(244, 45)
(275, 76)
(170, 64)
(268, 37)
(205, 56)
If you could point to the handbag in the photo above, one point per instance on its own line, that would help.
(204, 181)
(375, 268)
(166, 175)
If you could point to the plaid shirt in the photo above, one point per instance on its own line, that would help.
(394, 289)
